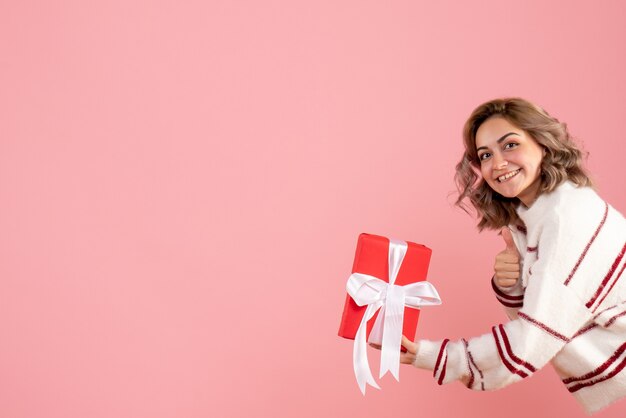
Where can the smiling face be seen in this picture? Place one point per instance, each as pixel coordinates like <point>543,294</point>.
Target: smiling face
<point>510,159</point>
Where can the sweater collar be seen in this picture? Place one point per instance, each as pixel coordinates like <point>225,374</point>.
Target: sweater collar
<point>530,215</point>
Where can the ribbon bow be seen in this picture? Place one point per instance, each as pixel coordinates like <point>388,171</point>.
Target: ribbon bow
<point>391,300</point>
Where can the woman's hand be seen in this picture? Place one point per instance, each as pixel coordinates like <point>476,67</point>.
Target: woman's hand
<point>411,350</point>
<point>506,266</point>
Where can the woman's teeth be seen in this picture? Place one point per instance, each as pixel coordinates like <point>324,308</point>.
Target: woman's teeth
<point>508,175</point>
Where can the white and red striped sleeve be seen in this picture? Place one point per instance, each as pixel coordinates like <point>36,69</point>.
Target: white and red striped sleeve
<point>552,313</point>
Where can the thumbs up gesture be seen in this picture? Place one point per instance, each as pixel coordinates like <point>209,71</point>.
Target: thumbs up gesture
<point>506,266</point>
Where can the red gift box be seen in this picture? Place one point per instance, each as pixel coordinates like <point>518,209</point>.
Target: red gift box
<point>372,258</point>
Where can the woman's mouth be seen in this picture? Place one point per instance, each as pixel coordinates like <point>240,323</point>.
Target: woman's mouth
<point>508,175</point>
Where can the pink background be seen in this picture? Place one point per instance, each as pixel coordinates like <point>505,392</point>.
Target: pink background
<point>182,184</point>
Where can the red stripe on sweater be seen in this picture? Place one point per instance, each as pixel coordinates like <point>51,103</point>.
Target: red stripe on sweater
<point>443,370</point>
<point>469,364</point>
<point>611,287</point>
<point>509,350</point>
<point>595,317</point>
<point>608,276</point>
<point>600,369</point>
<point>613,319</point>
<point>607,377</point>
<point>503,358</point>
<point>480,372</point>
<point>615,371</point>
<point>532,249</point>
<point>543,327</point>
<point>521,228</point>
<point>443,346</point>
<point>585,329</point>
<point>504,295</point>
<point>593,238</point>
<point>511,305</point>
<point>604,310</point>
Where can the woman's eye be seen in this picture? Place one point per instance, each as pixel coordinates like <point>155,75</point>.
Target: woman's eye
<point>484,156</point>
<point>510,145</point>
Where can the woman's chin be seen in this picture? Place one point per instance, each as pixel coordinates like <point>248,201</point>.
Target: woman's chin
<point>508,192</point>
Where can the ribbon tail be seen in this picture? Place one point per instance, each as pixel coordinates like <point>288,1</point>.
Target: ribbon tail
<point>376,334</point>
<point>361,365</point>
<point>392,332</point>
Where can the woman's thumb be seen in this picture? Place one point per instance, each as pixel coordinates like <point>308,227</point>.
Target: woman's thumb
<point>508,239</point>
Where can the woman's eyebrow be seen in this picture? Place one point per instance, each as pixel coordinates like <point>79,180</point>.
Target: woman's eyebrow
<point>499,140</point>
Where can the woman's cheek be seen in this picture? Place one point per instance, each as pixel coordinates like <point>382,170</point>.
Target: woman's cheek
<point>484,171</point>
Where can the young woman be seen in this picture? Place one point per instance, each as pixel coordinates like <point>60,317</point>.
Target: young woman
<point>559,276</point>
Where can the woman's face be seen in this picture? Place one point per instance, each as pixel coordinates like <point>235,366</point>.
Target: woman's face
<point>510,159</point>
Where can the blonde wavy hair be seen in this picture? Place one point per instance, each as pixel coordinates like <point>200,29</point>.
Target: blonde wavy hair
<point>562,160</point>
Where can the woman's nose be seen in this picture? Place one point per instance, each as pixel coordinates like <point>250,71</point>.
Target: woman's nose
<point>500,162</point>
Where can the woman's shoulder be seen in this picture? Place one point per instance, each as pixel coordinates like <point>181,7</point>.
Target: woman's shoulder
<point>569,197</point>
<point>577,202</point>
<point>567,203</point>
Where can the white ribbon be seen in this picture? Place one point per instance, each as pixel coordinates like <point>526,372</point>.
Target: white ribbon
<point>391,300</point>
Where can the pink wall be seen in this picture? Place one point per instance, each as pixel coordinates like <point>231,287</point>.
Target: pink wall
<point>182,184</point>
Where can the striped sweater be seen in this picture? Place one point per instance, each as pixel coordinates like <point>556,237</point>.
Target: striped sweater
<point>569,308</point>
